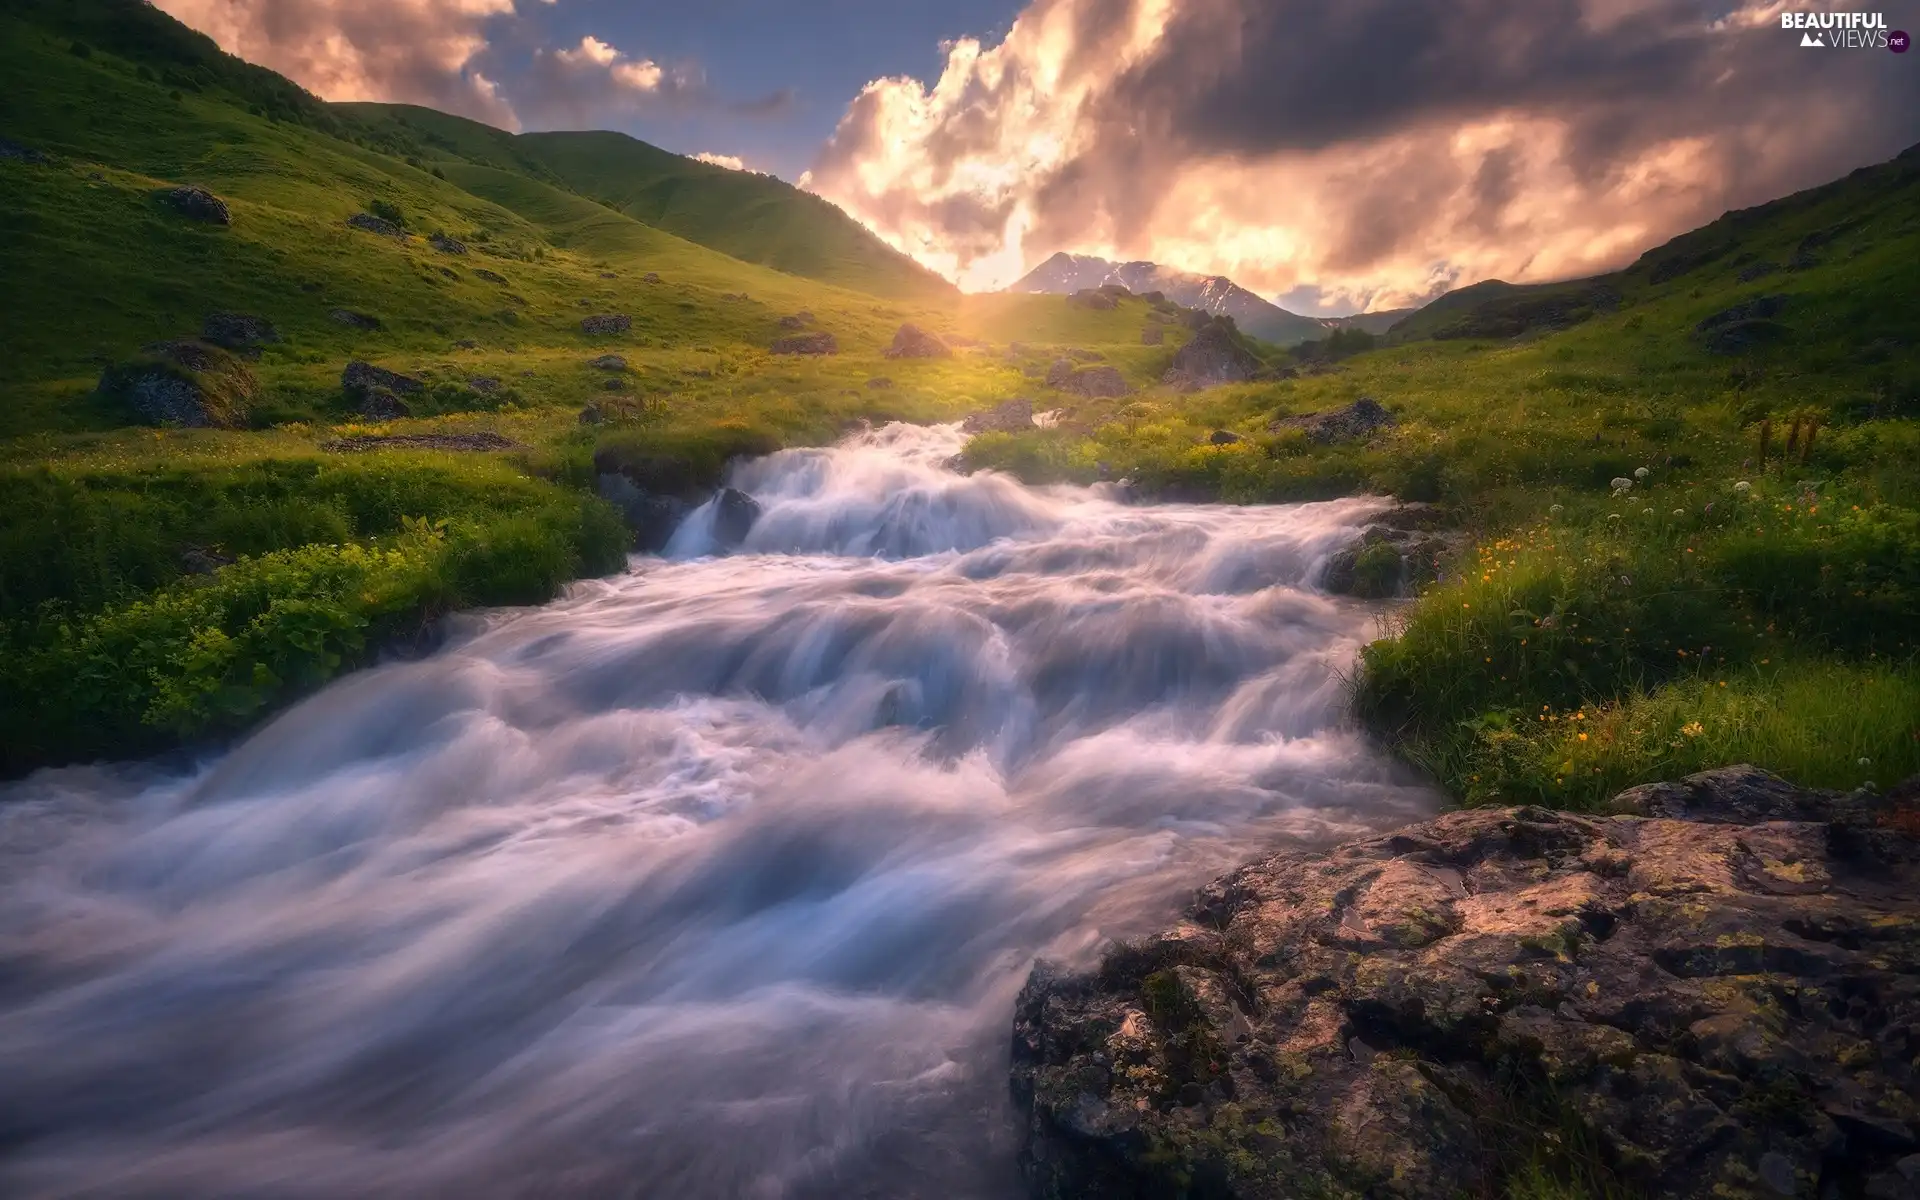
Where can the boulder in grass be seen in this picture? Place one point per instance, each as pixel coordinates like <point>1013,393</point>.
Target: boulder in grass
<point>447,245</point>
<point>381,404</point>
<point>361,377</point>
<point>197,204</point>
<point>1096,382</point>
<point>489,276</point>
<point>911,341</point>
<point>818,342</point>
<point>608,362</point>
<point>355,320</point>
<point>369,223</point>
<point>605,324</point>
<point>186,382</point>
<point>237,330</point>
<point>1354,422</point>
<point>1009,416</point>
<point>1212,356</point>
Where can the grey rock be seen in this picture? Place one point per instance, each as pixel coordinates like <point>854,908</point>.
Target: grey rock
<point>354,320</point>
<point>447,245</point>
<point>1212,356</point>
<point>793,322</point>
<point>14,151</point>
<point>1011,416</point>
<point>607,323</point>
<point>197,204</point>
<point>1759,270</point>
<point>185,382</point>
<point>1651,974</point>
<point>362,377</point>
<point>235,330</point>
<point>911,341</point>
<point>369,223</point>
<point>382,404</point>
<point>819,342</point>
<point>1352,423</point>
<point>650,277</point>
<point>608,362</point>
<point>1224,437</point>
<point>484,384</point>
<point>1060,372</point>
<point>489,276</point>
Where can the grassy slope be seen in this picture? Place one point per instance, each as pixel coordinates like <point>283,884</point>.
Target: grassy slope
<point>755,218</point>
<point>1621,619</point>
<point>105,636</point>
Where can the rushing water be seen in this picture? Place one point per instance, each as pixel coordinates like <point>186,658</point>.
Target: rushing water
<point>715,879</point>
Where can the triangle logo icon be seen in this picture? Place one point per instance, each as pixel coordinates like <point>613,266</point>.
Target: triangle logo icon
<point>1813,39</point>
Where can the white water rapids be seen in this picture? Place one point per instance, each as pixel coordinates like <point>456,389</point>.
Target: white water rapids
<point>715,879</point>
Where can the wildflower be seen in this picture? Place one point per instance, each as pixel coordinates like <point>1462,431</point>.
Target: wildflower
<point>1613,516</point>
<point>1866,762</point>
<point>1640,472</point>
<point>1693,729</point>
<point>1679,512</point>
<point>1647,513</point>
<point>1622,484</point>
<point>1583,737</point>
<point>1743,487</point>
<point>1626,581</point>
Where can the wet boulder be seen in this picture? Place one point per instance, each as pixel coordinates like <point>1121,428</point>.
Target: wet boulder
<point>911,341</point>
<point>605,324</point>
<point>196,204</point>
<point>1011,416</point>
<point>186,382</point>
<point>1716,992</point>
<point>1354,422</point>
<point>734,513</point>
<point>819,342</point>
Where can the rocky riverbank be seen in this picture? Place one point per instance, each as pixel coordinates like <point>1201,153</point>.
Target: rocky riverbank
<point>1713,992</point>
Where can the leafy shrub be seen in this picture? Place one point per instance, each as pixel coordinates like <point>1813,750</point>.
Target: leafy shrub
<point>386,210</point>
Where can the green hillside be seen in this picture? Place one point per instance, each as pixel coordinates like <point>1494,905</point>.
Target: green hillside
<point>752,217</point>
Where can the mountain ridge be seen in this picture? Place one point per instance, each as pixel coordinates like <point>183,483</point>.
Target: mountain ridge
<point>1064,273</point>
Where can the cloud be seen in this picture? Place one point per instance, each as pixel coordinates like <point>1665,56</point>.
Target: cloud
<point>412,51</point>
<point>1373,151</point>
<point>729,161</point>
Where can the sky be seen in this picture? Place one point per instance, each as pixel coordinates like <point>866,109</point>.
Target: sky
<point>1365,154</point>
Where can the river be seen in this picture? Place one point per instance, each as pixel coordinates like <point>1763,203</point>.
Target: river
<point>714,879</point>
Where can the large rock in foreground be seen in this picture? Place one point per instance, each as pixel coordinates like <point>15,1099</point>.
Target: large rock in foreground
<point>911,341</point>
<point>1717,994</point>
<point>1212,356</point>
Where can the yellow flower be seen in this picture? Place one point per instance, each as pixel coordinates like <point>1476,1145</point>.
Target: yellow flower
<point>1583,737</point>
<point>1693,729</point>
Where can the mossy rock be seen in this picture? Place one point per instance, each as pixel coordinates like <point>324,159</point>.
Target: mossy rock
<point>187,382</point>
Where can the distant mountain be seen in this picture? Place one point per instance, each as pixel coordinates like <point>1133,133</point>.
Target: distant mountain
<point>1067,273</point>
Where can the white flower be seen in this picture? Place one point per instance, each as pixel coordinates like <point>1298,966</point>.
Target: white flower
<point>1866,762</point>
<point>1646,512</point>
<point>1613,516</point>
<point>1556,509</point>
<point>1640,472</point>
<point>1626,581</point>
<point>1622,484</point>
<point>1679,512</point>
<point>1743,487</point>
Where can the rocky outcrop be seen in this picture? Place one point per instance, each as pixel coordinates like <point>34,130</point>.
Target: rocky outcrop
<point>354,320</point>
<point>818,342</point>
<point>382,404</point>
<point>361,378</point>
<point>368,223</point>
<point>1393,557</point>
<point>447,245</point>
<point>186,382</point>
<point>196,204</point>
<point>1713,992</point>
<point>1743,327</point>
<point>235,331</point>
<point>1012,416</point>
<point>1212,356</point>
<point>911,341</point>
<point>1351,423</point>
<point>606,323</point>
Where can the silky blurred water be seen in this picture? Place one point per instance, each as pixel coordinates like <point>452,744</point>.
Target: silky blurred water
<point>714,879</point>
